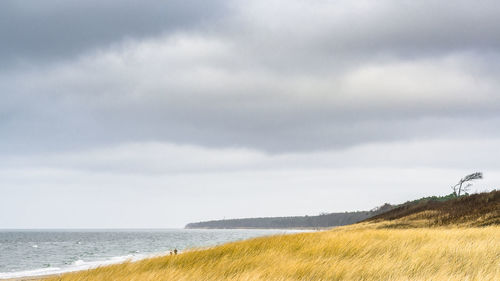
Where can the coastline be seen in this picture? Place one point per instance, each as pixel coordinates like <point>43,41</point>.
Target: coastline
<point>33,278</point>
<point>190,239</point>
<point>163,254</point>
<point>90,267</point>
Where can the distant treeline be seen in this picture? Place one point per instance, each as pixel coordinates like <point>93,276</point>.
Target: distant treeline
<point>323,220</point>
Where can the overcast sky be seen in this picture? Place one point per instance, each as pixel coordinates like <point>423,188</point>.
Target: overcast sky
<point>158,113</point>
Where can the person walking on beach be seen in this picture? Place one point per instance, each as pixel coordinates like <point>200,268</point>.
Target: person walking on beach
<point>175,251</point>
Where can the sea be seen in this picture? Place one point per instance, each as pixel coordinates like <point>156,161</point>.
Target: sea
<point>41,252</point>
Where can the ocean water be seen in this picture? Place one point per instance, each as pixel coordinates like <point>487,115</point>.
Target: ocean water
<point>33,252</point>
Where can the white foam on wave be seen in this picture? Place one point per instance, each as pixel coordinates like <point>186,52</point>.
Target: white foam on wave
<point>78,262</point>
<point>35,272</point>
<point>76,266</point>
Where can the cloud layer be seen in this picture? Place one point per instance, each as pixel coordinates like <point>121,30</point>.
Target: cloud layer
<point>190,88</point>
<point>267,75</point>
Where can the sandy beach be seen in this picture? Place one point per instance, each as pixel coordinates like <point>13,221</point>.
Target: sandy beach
<point>30,278</point>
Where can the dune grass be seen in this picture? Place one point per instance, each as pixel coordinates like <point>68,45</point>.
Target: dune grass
<point>359,252</point>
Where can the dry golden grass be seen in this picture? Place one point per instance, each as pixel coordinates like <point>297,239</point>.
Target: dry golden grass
<point>358,252</point>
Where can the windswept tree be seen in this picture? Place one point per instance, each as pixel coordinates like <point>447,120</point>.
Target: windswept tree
<point>464,184</point>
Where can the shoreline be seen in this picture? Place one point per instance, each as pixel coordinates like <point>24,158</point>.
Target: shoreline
<point>70,270</point>
<point>103,263</point>
<point>34,278</point>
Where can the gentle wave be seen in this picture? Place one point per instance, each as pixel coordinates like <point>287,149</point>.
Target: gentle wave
<point>75,266</point>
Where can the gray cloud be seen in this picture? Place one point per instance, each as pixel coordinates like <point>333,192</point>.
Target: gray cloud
<point>268,75</point>
<point>209,105</point>
<point>325,34</point>
<point>33,30</point>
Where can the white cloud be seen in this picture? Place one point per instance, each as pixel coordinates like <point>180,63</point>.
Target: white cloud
<point>151,158</point>
<point>429,82</point>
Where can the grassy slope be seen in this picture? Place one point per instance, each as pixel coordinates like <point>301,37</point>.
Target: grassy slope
<point>475,210</point>
<point>367,251</point>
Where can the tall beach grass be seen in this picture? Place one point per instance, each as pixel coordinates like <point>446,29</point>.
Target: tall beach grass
<point>358,252</point>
